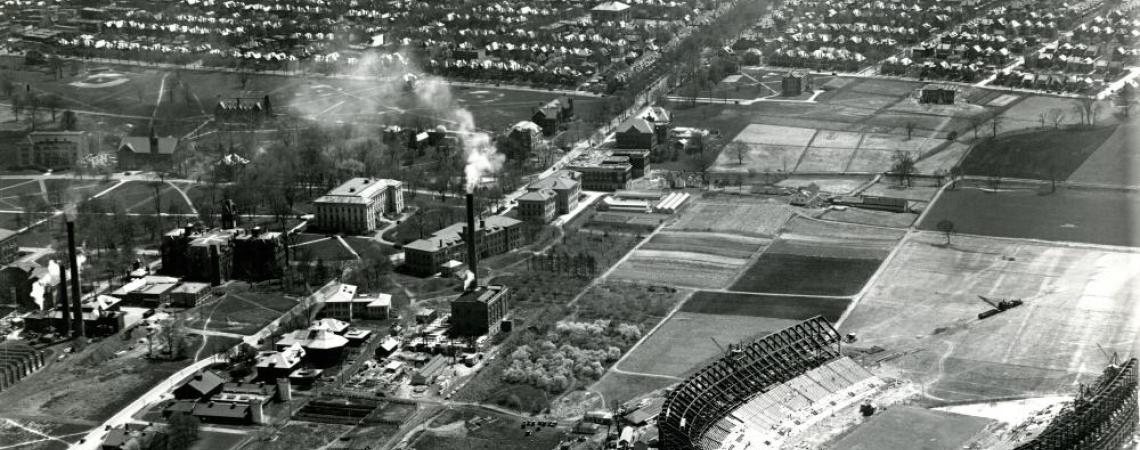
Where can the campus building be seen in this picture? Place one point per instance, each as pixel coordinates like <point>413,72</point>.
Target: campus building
<point>553,114</point>
<point>636,133</point>
<point>8,248</point>
<point>538,206</point>
<point>258,255</point>
<point>348,305</point>
<point>358,205</point>
<point>602,170</point>
<point>216,255</point>
<point>937,94</point>
<point>495,235</point>
<point>55,149</point>
<point>479,311</point>
<point>142,152</point>
<point>551,196</point>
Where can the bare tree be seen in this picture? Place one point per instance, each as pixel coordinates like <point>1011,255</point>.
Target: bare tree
<point>737,149</point>
<point>909,129</point>
<point>946,227</point>
<point>903,167</point>
<point>955,174</point>
<point>1057,116</point>
<point>996,123</point>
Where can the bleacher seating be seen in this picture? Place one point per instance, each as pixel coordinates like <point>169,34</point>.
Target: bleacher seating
<point>769,418</point>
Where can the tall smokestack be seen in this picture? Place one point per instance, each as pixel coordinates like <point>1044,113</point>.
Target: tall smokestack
<point>472,249</point>
<point>75,293</point>
<point>64,305</point>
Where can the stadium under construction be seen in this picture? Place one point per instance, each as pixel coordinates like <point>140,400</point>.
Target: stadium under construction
<point>762,393</point>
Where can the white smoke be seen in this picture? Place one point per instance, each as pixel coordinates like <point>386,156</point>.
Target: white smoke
<point>482,157</point>
<point>40,286</point>
<point>469,280</point>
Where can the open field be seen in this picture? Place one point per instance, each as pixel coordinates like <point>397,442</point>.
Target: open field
<point>784,307</point>
<point>138,197</point>
<point>814,257</point>
<point>17,438</point>
<point>923,312</point>
<point>942,159</point>
<point>314,247</point>
<point>239,312</point>
<point>1070,214</point>
<point>1116,162</point>
<point>916,192</point>
<point>684,343</point>
<point>1043,155</point>
<point>910,428</point>
<point>1027,113</point>
<point>695,259</point>
<point>728,215</point>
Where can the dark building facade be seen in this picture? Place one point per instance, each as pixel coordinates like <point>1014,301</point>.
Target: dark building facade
<point>479,311</point>
<point>258,255</point>
<point>636,133</point>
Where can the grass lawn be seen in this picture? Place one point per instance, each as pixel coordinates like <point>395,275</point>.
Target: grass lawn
<point>662,354</point>
<point>1076,215</point>
<point>213,440</point>
<point>320,247</point>
<point>239,312</point>
<point>778,307</point>
<point>1043,155</point>
<point>909,428</point>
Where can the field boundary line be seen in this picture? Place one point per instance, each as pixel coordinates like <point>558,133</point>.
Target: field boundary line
<point>776,294</point>
<point>649,333</point>
<point>807,148</point>
<point>855,153</point>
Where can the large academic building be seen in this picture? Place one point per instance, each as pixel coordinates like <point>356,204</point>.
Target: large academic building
<point>358,205</point>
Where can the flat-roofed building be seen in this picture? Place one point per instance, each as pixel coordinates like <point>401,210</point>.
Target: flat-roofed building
<point>8,248</point>
<point>602,170</point>
<point>494,235</point>
<point>358,205</point>
<point>55,149</point>
<point>479,311</point>
<point>189,295</point>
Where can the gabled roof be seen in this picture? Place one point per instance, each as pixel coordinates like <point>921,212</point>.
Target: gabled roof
<point>636,124</point>
<point>563,179</point>
<point>141,145</point>
<point>204,382</point>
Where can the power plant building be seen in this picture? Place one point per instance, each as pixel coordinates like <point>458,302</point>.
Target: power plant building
<point>358,205</point>
<point>480,310</point>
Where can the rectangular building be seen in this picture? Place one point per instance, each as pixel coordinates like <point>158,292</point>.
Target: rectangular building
<point>347,305</point>
<point>198,255</point>
<point>602,171</point>
<point>494,234</point>
<point>258,255</point>
<point>9,251</point>
<point>55,149</point>
<point>479,311</point>
<point>189,295</point>
<point>538,206</point>
<point>566,184</point>
<point>358,205</point>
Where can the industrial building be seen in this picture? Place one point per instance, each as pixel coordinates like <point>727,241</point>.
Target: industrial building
<point>55,149</point>
<point>272,365</point>
<point>8,248</point>
<point>496,235</point>
<point>200,386</point>
<point>323,348</point>
<point>149,291</point>
<point>358,205</point>
<point>18,360</point>
<point>100,318</point>
<point>28,285</point>
<point>480,310</point>
<point>602,170</point>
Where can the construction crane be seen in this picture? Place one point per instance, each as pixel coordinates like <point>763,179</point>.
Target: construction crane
<point>999,306</point>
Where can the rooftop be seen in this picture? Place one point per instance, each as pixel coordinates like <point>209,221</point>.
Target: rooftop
<point>539,195</point>
<point>141,144</point>
<point>453,234</point>
<point>637,124</point>
<point>562,179</point>
<point>357,190</point>
<point>611,6</point>
<point>599,159</point>
<point>190,288</point>
<point>482,294</point>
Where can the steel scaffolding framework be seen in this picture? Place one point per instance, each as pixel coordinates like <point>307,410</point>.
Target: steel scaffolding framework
<point>1102,417</point>
<point>746,371</point>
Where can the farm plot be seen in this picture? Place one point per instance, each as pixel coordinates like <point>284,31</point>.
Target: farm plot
<point>1075,215</point>
<point>825,159</point>
<point>892,189</point>
<point>728,216</point>
<point>694,259</point>
<point>871,217</point>
<point>1043,155</point>
<point>770,148</point>
<point>818,258</point>
<point>924,308</point>
<point>943,159</point>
